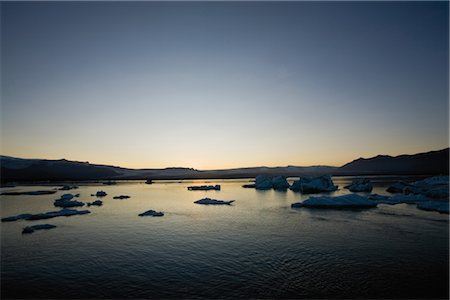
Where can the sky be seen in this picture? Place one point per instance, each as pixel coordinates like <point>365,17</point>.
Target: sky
<point>213,85</point>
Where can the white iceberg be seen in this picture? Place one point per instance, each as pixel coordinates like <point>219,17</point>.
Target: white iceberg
<point>345,201</point>
<point>319,184</point>
<point>360,185</point>
<point>213,201</point>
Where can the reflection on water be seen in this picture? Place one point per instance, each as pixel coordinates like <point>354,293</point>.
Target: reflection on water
<point>258,247</point>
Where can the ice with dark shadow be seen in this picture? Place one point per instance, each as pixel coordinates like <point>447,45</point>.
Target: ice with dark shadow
<point>345,201</point>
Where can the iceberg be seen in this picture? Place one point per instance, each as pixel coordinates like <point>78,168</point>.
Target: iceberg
<point>360,185</point>
<point>96,203</point>
<point>320,184</point>
<point>345,201</point>
<point>280,183</point>
<point>66,201</point>
<point>48,215</point>
<point>263,182</point>
<point>100,194</point>
<point>152,213</point>
<point>31,229</point>
<point>408,199</point>
<point>68,187</point>
<point>249,186</point>
<point>439,206</point>
<point>121,197</point>
<point>434,187</point>
<point>381,199</point>
<point>204,188</point>
<point>398,187</point>
<point>212,201</point>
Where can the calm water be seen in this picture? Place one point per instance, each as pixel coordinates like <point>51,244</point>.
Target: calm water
<point>257,248</point>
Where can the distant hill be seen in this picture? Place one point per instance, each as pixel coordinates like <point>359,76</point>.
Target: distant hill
<point>433,162</point>
<point>18,169</point>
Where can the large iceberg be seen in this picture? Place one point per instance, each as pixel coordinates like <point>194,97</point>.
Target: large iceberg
<point>434,187</point>
<point>213,201</point>
<point>319,184</point>
<point>360,185</point>
<point>345,201</point>
<point>280,183</point>
<point>263,182</point>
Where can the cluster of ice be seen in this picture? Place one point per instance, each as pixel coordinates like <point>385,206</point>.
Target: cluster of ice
<point>48,215</point>
<point>152,213</point>
<point>320,184</point>
<point>345,201</point>
<point>66,201</point>
<point>263,182</point>
<point>31,229</point>
<point>121,197</point>
<point>360,185</point>
<point>213,201</point>
<point>434,187</point>
<point>204,187</point>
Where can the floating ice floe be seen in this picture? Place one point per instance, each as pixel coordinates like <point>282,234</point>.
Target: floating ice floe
<point>121,197</point>
<point>31,229</point>
<point>100,194</point>
<point>204,187</point>
<point>48,215</point>
<point>152,213</point>
<point>66,201</point>
<point>319,184</point>
<point>360,185</point>
<point>96,203</point>
<point>68,187</point>
<point>345,201</point>
<point>33,193</point>
<point>249,186</point>
<point>439,206</point>
<point>213,201</point>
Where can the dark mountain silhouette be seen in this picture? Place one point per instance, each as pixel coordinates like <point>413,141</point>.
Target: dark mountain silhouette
<point>433,162</point>
<point>18,169</point>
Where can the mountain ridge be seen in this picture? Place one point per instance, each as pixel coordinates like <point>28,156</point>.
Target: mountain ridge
<point>21,169</point>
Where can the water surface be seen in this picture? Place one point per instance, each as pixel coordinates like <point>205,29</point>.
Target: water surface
<point>259,247</point>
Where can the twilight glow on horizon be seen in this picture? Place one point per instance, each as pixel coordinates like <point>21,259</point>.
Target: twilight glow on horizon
<point>215,85</point>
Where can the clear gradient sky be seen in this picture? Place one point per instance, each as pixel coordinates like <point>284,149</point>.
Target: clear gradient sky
<point>216,85</point>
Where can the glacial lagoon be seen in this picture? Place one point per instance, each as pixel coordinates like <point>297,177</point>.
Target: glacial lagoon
<point>257,247</point>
